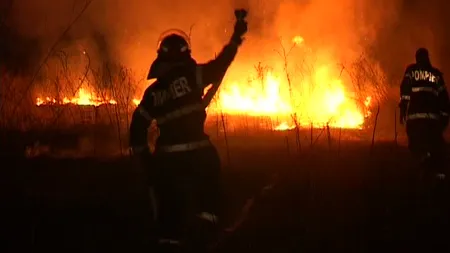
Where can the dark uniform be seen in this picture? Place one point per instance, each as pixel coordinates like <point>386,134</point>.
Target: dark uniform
<point>424,106</point>
<point>185,167</point>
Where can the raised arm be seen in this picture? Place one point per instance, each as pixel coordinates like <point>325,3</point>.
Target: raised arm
<point>213,71</point>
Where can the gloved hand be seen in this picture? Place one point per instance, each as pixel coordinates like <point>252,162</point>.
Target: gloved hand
<point>240,27</point>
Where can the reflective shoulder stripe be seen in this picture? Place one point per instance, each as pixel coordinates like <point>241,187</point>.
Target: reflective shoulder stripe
<point>199,76</point>
<point>422,116</point>
<point>424,89</point>
<point>208,217</point>
<point>185,146</point>
<point>405,97</point>
<point>144,113</point>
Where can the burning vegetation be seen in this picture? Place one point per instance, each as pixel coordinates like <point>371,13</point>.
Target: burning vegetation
<point>321,96</point>
<point>82,97</point>
<point>301,65</point>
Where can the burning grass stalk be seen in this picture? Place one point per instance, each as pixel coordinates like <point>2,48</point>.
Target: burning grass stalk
<point>116,112</point>
<point>328,136</point>
<point>313,143</point>
<point>213,96</point>
<point>120,86</point>
<point>374,129</point>
<point>47,56</point>
<point>284,56</point>
<point>217,126</point>
<point>64,61</point>
<point>224,126</point>
<point>339,141</point>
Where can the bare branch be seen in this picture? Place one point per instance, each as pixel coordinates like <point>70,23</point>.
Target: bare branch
<point>190,31</point>
<point>69,27</point>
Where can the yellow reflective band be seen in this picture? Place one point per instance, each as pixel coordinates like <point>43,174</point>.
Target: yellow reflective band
<point>208,217</point>
<point>425,89</point>
<point>422,116</point>
<point>405,97</point>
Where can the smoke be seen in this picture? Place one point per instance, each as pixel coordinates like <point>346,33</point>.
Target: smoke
<point>130,28</point>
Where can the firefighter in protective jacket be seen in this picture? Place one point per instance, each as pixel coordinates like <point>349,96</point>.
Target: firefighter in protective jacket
<point>424,108</point>
<point>184,168</point>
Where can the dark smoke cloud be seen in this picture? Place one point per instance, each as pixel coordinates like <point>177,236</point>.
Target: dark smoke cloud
<point>129,29</point>
<point>417,24</point>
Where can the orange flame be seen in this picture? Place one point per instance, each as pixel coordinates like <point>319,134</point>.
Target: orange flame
<point>297,40</point>
<point>321,98</point>
<point>283,126</point>
<point>82,97</point>
<point>327,104</point>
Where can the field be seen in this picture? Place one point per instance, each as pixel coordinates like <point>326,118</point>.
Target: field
<point>330,197</point>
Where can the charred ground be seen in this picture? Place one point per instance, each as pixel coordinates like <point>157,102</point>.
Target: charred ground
<point>316,200</point>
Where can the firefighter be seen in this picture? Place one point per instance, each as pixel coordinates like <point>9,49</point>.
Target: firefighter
<point>184,168</point>
<point>424,108</point>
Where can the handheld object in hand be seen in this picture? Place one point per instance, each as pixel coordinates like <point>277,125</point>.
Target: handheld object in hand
<point>240,14</point>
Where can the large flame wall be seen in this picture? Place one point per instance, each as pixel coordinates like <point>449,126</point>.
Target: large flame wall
<point>316,93</point>
<point>296,62</point>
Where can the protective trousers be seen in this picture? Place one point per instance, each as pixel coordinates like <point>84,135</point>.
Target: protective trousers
<point>426,142</point>
<point>187,189</point>
<point>431,208</point>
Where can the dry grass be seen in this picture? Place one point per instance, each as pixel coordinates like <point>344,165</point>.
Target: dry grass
<point>323,202</point>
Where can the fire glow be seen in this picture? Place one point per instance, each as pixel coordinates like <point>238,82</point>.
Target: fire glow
<point>82,97</point>
<point>318,100</point>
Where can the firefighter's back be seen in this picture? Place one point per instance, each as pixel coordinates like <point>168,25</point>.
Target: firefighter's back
<point>425,87</point>
<point>178,108</point>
